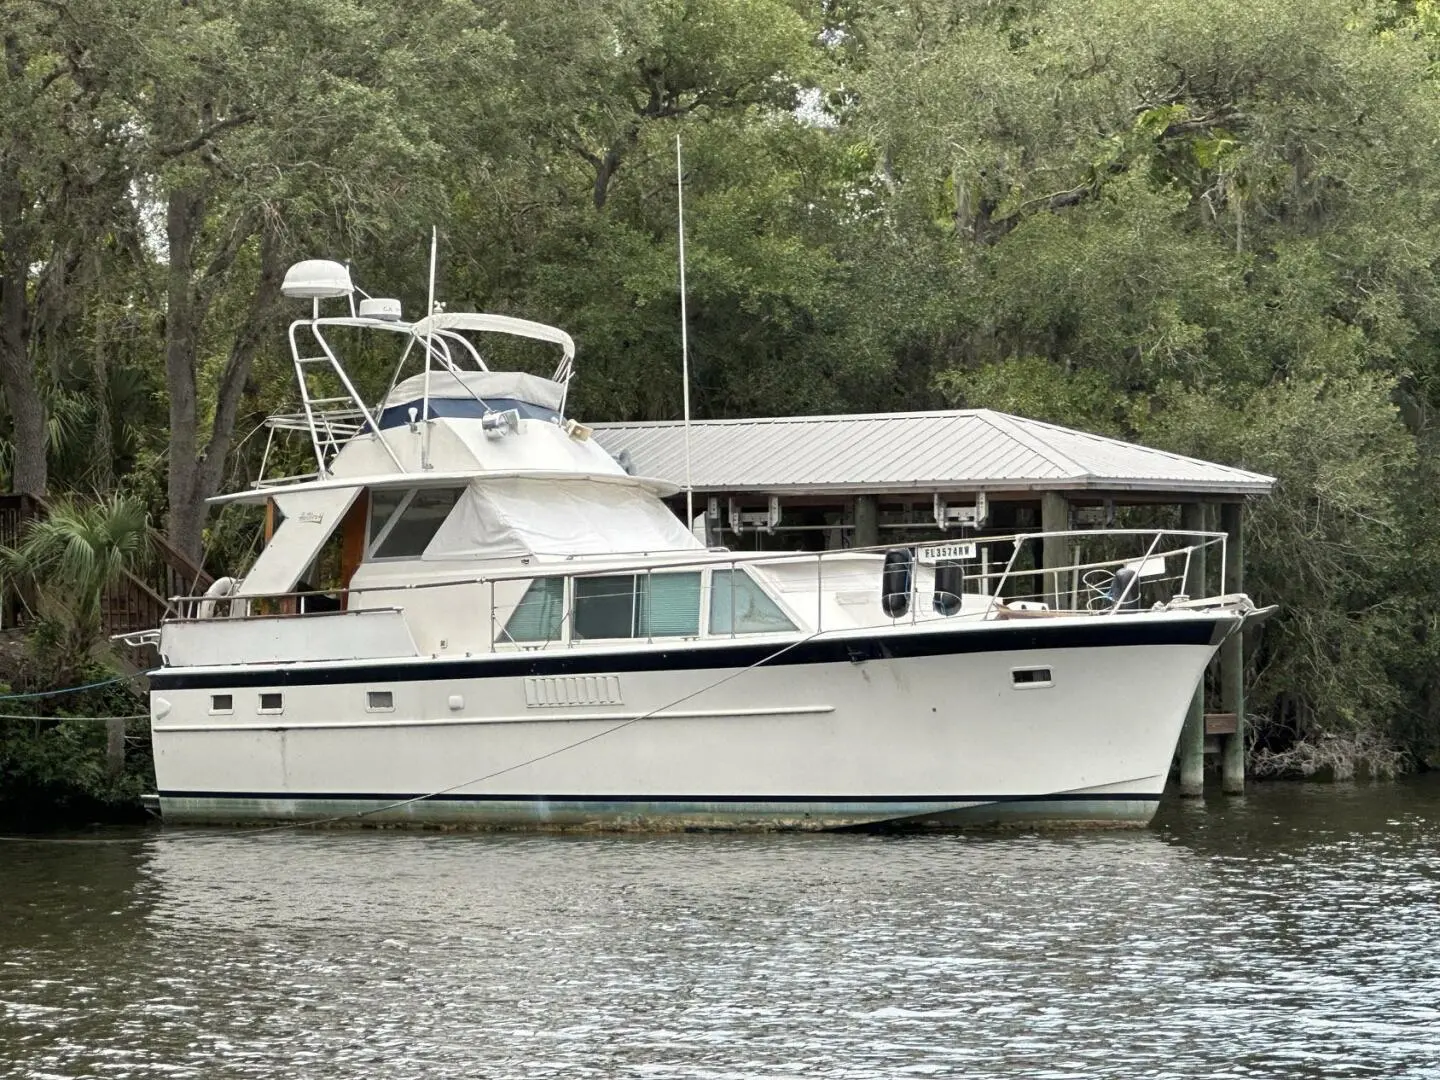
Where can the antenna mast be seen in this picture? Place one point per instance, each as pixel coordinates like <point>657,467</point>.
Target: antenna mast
<point>684,338</point>
<point>429,344</point>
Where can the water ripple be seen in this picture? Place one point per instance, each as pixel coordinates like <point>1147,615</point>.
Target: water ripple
<point>1295,933</point>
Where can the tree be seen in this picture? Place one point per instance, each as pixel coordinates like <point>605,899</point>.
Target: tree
<point>266,126</point>
<point>62,181</point>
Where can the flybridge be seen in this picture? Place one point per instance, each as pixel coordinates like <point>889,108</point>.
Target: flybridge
<point>453,379</point>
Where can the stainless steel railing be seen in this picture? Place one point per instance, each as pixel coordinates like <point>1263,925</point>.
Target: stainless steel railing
<point>1162,561</point>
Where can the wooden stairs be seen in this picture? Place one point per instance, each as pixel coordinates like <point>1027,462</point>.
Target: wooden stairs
<point>140,600</point>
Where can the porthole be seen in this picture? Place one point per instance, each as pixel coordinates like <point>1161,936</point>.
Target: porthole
<point>272,703</point>
<point>222,703</point>
<point>1031,678</point>
<point>380,701</point>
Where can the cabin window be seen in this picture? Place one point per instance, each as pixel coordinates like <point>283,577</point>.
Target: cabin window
<point>222,703</point>
<point>539,614</point>
<point>605,607</point>
<point>272,703</point>
<point>412,523</point>
<point>669,605</point>
<point>638,605</point>
<point>739,606</point>
<point>380,701</point>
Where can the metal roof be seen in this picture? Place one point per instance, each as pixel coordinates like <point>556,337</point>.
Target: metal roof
<point>954,450</point>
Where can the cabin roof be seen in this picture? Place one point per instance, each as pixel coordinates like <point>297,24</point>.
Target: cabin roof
<point>952,451</point>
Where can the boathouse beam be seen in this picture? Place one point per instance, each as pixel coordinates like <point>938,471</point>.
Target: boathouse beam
<point>1232,655</point>
<point>1193,518</point>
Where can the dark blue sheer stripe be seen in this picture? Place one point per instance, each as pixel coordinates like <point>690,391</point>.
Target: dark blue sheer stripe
<point>462,409</point>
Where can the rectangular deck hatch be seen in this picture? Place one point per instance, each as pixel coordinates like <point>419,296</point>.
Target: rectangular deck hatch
<point>310,519</point>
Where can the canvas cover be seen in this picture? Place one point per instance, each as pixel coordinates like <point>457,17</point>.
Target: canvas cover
<point>517,385</point>
<point>507,517</point>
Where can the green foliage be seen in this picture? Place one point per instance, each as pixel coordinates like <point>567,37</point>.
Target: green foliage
<point>64,564</point>
<point>53,768</point>
<point>1207,224</point>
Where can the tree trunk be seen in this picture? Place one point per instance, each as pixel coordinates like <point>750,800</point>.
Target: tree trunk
<point>29,471</point>
<point>115,746</point>
<point>184,214</point>
<point>196,472</point>
<point>17,374</point>
<point>104,474</point>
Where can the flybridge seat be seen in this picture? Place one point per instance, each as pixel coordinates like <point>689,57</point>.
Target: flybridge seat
<point>471,394</point>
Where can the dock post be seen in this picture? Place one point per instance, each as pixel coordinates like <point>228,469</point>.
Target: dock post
<point>1192,738</point>
<point>1232,657</point>
<point>867,522</point>
<point>1054,517</point>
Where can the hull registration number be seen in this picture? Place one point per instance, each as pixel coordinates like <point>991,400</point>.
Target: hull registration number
<point>929,553</point>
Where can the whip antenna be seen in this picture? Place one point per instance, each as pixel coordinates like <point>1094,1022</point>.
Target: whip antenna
<point>429,344</point>
<point>684,338</point>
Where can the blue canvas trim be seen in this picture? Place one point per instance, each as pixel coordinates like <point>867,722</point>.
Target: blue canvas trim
<point>463,409</point>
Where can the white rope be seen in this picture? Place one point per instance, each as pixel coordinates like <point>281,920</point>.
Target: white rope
<point>548,754</point>
<point>290,825</point>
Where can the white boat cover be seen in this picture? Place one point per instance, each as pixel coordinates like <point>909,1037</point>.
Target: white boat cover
<point>310,518</point>
<point>484,385</point>
<point>495,324</point>
<point>506,517</point>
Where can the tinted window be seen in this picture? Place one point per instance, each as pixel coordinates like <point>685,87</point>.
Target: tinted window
<point>537,617</point>
<point>383,503</point>
<point>739,606</point>
<point>419,520</point>
<point>605,607</point>
<point>638,605</point>
<point>669,605</point>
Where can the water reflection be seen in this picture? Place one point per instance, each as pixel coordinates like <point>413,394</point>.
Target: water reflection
<point>1293,934</point>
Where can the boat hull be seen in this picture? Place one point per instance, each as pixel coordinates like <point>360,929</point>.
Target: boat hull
<point>1069,721</point>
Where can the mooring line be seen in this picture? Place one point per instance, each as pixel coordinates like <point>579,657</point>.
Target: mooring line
<point>73,689</point>
<point>291,825</point>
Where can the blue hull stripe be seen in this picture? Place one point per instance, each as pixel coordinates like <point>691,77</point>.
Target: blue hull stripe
<point>1021,635</point>
<point>654,800</point>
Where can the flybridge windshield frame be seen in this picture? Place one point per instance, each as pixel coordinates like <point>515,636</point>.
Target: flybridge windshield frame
<point>443,326</point>
<point>439,337</point>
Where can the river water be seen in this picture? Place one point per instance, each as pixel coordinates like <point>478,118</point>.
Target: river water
<point>1295,933</point>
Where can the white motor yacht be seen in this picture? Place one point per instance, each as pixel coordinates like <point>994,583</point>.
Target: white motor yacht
<point>468,613</point>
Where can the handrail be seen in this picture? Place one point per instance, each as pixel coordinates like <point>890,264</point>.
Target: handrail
<point>993,583</point>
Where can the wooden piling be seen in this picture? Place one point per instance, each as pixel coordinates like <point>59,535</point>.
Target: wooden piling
<point>1054,517</point>
<point>1193,518</point>
<point>867,521</point>
<point>1232,657</point>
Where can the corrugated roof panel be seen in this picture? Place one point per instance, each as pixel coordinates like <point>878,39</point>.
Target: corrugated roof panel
<point>928,450</point>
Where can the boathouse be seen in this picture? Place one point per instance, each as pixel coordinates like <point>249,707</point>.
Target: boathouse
<point>823,482</point>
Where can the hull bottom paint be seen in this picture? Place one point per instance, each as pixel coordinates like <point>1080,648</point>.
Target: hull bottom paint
<point>556,813</point>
